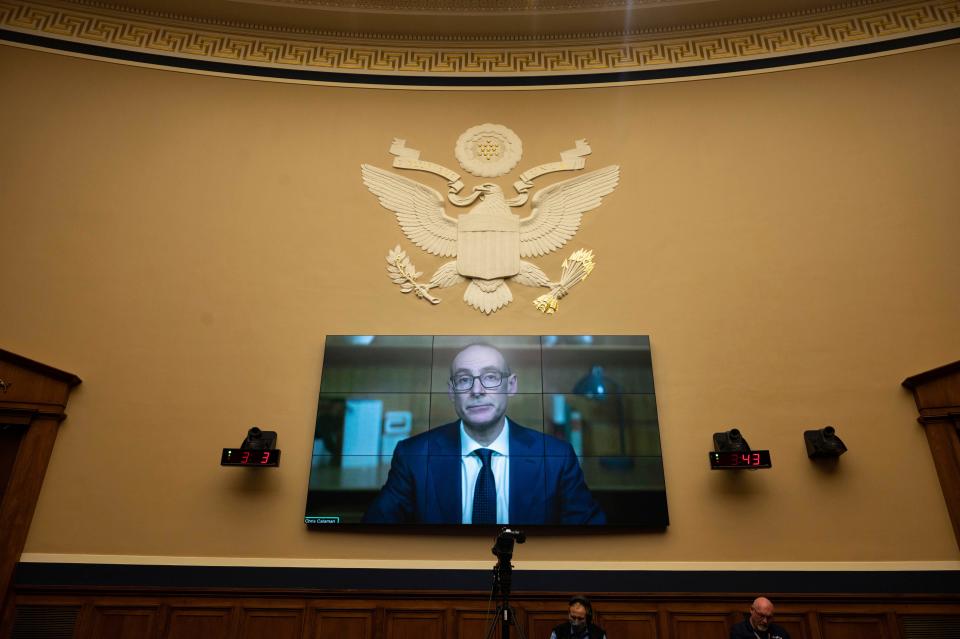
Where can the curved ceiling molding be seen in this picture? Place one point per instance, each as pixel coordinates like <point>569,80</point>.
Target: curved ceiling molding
<point>229,43</point>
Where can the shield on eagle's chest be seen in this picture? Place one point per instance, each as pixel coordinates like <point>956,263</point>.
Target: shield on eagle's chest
<point>488,245</point>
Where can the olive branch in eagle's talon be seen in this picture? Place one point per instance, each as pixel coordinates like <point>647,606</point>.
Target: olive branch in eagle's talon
<point>404,274</point>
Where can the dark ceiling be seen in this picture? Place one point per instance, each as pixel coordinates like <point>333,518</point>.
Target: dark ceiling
<point>476,19</point>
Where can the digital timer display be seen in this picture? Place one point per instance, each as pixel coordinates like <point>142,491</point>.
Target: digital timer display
<point>745,459</point>
<point>246,457</point>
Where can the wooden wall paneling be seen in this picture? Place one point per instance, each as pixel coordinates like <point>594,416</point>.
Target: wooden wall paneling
<point>796,623</point>
<point>46,621</point>
<point>663,621</point>
<point>111,614</point>
<point>83,627</point>
<point>699,625</point>
<point>340,623</point>
<point>450,619</point>
<point>624,623</point>
<point>925,625</point>
<point>541,622</point>
<point>193,622</point>
<point>123,622</point>
<point>414,624</point>
<point>474,623</point>
<point>854,626</point>
<point>893,625</point>
<point>261,620</point>
<point>813,624</point>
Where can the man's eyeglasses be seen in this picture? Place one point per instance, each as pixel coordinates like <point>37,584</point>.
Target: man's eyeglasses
<point>761,615</point>
<point>462,382</point>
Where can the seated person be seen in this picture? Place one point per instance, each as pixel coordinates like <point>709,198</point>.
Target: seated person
<point>758,625</point>
<point>579,624</point>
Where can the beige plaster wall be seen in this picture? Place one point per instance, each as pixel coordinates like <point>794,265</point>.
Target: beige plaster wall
<point>184,242</point>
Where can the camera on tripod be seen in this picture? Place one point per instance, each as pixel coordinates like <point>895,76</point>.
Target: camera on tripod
<point>502,580</point>
<point>503,546</point>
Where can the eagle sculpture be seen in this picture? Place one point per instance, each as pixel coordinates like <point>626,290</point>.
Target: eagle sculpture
<point>489,242</point>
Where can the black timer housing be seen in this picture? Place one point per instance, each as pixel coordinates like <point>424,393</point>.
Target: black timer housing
<point>750,460</point>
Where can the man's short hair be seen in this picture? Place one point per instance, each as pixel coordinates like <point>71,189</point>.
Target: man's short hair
<point>506,364</point>
<point>583,601</point>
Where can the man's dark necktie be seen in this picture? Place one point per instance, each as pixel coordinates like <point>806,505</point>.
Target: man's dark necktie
<point>485,492</point>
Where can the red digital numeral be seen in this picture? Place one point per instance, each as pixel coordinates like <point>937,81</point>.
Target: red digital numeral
<point>245,457</point>
<point>266,457</point>
<point>755,459</point>
<point>745,459</point>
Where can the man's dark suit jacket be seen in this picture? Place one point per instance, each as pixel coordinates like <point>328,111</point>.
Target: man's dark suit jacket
<point>546,482</point>
<point>744,630</point>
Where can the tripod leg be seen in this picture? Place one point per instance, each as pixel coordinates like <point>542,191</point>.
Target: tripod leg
<point>513,622</point>
<point>493,624</point>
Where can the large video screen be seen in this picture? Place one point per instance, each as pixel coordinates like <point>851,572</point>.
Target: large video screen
<point>552,430</point>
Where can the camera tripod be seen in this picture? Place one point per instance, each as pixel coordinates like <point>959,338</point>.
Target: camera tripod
<point>502,574</point>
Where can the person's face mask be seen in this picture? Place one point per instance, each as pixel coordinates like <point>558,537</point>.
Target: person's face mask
<point>578,619</point>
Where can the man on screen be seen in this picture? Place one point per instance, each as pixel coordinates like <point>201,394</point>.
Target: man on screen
<point>484,468</point>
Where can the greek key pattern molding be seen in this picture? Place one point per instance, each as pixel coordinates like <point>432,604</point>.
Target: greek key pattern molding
<point>224,43</point>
